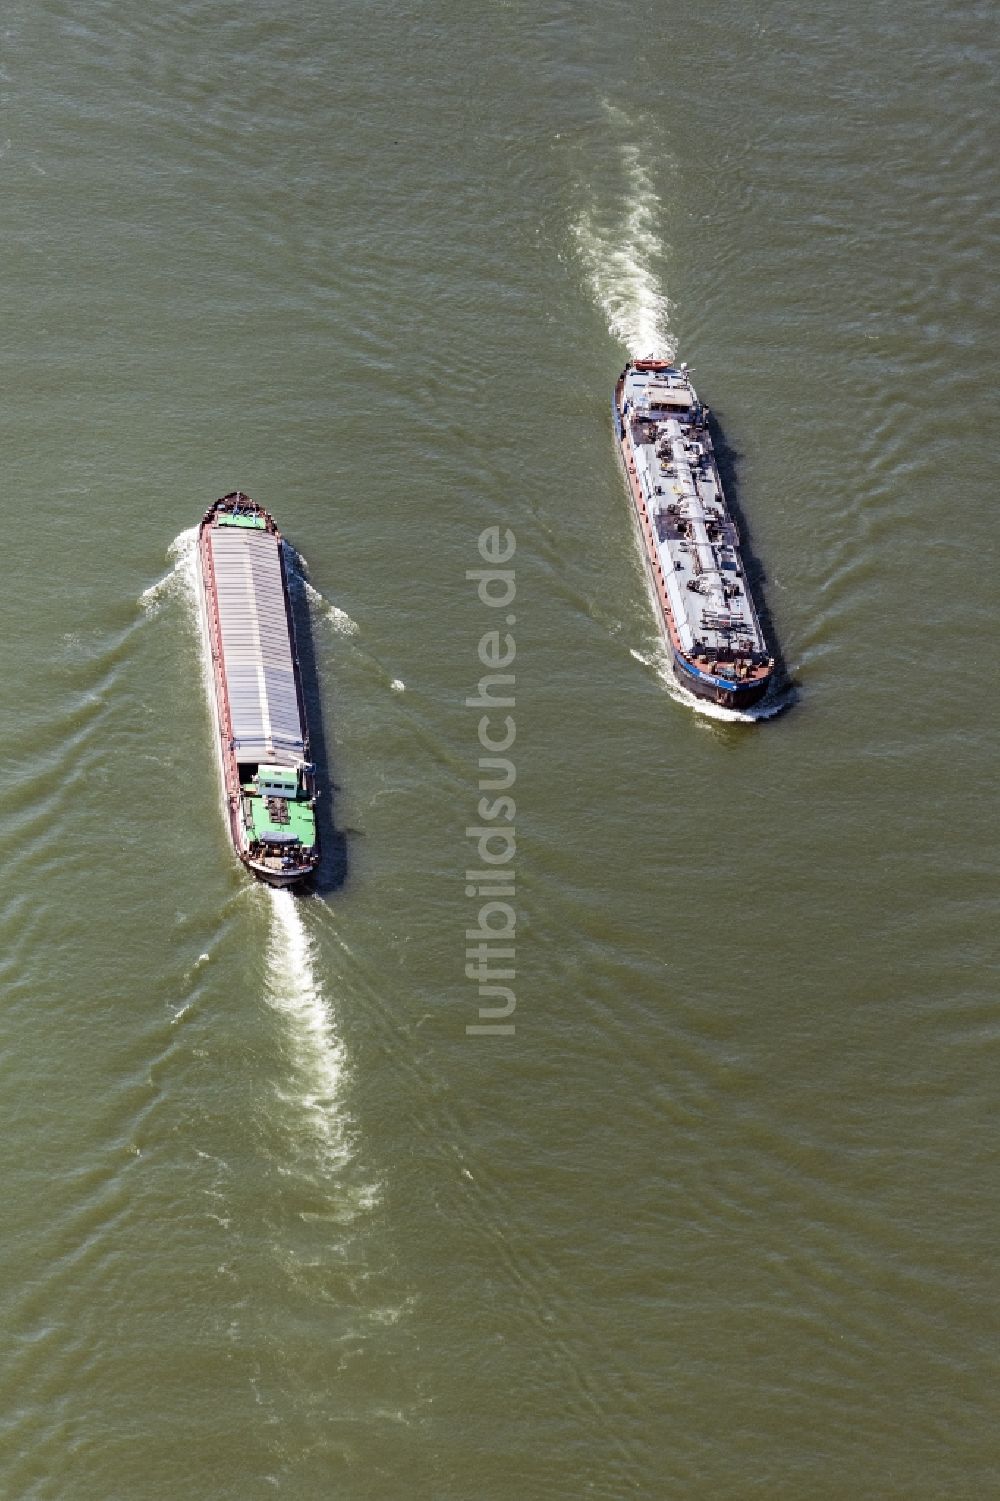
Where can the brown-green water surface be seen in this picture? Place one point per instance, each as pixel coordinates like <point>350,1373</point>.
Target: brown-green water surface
<point>719,1220</point>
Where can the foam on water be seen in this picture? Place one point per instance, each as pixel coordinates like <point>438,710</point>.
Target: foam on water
<point>183,580</point>
<point>341,622</point>
<point>294,989</point>
<point>619,252</point>
<point>182,550</point>
<point>337,617</point>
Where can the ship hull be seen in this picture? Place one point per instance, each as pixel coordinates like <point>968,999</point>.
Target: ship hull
<point>686,673</point>
<point>277,880</point>
<point>733,684</point>
<point>277,865</point>
<point>736,698</point>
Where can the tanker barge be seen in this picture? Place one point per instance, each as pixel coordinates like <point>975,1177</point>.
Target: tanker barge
<point>689,541</point>
<point>268,780</point>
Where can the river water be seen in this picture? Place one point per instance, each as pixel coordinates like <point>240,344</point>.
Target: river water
<point>718,1217</point>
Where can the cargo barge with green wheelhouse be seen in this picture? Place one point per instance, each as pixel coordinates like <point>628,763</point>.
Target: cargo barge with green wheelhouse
<point>269,781</point>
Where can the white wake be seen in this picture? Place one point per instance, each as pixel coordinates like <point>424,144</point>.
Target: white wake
<point>340,620</point>
<point>620,250</point>
<point>180,576</point>
<point>337,617</point>
<point>294,989</point>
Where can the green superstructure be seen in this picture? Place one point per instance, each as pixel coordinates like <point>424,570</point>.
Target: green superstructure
<point>264,817</point>
<point>255,523</point>
<point>276,806</point>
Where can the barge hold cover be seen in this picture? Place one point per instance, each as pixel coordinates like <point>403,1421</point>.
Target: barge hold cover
<point>263,699</point>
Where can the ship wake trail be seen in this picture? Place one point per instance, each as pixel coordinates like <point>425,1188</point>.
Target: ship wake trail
<point>338,618</point>
<point>181,577</point>
<point>299,578</point>
<point>619,251</point>
<point>293,989</point>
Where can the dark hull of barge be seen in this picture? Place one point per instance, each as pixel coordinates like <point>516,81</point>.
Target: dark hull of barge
<point>261,731</point>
